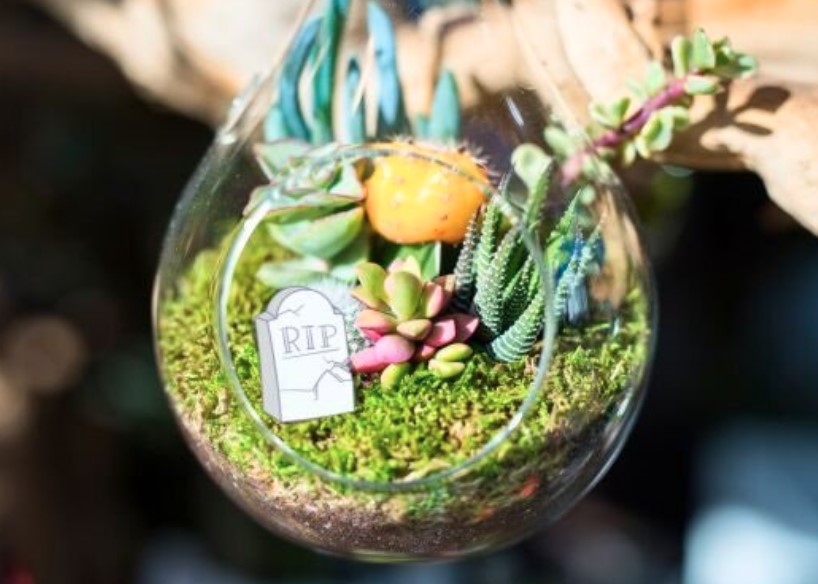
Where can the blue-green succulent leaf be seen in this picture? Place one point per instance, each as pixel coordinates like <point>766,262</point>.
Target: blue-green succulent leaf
<point>274,126</point>
<point>444,123</point>
<point>420,126</point>
<point>288,88</point>
<point>391,116</point>
<point>326,53</point>
<point>355,109</point>
<point>583,262</point>
<point>342,265</point>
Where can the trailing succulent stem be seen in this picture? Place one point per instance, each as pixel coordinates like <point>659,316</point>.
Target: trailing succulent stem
<point>626,128</point>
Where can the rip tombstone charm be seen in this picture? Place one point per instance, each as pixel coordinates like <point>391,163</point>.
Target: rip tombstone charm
<point>304,357</point>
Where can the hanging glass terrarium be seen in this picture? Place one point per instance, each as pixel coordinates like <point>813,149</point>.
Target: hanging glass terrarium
<point>390,324</point>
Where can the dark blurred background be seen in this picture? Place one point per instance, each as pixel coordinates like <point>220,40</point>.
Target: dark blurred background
<point>718,484</point>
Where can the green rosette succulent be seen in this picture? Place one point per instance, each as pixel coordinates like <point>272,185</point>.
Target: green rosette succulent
<point>317,215</point>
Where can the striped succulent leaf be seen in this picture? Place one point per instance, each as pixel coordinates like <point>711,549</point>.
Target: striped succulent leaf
<point>488,300</point>
<point>488,242</point>
<point>517,342</point>
<point>516,294</point>
<point>465,269</point>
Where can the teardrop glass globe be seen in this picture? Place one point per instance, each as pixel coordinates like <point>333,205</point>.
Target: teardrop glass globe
<point>393,320</point>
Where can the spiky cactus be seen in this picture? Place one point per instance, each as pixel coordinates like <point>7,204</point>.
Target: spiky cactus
<point>497,279</point>
<point>405,318</point>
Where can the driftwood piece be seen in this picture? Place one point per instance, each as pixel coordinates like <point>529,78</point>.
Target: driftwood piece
<point>194,55</point>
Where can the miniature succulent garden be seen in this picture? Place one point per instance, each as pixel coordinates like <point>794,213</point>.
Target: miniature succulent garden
<point>449,279</point>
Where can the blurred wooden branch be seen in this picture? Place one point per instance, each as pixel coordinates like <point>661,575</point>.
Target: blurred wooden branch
<point>194,55</point>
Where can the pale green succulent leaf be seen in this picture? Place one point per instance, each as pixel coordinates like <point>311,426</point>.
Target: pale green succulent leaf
<point>642,146</point>
<point>404,291</point>
<point>600,113</point>
<point>530,162</point>
<point>628,153</point>
<point>272,157</point>
<point>560,141</point>
<point>428,256</point>
<point>677,116</point>
<point>393,374</point>
<point>454,352</point>
<point>347,183</point>
<point>412,265</point>
<point>343,264</point>
<point>322,238</point>
<point>296,272</point>
<point>638,89</point>
<point>704,57</point>
<point>698,85</point>
<point>372,276</point>
<point>656,78</point>
<point>747,65</point>
<point>681,50</point>
<point>290,208</point>
<point>446,369</point>
<point>658,131</point>
<point>619,109</point>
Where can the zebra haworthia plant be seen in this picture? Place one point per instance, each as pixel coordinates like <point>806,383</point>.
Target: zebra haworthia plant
<point>496,277</point>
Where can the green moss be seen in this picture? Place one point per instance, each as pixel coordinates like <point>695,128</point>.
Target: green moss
<point>410,431</point>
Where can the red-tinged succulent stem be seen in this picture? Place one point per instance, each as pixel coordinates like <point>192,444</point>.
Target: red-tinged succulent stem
<point>572,167</point>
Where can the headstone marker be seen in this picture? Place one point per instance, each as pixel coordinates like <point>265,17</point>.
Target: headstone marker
<point>304,357</point>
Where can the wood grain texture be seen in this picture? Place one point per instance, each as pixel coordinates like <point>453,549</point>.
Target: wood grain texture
<point>195,55</point>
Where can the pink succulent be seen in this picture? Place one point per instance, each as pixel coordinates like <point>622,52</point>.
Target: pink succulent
<point>405,317</point>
